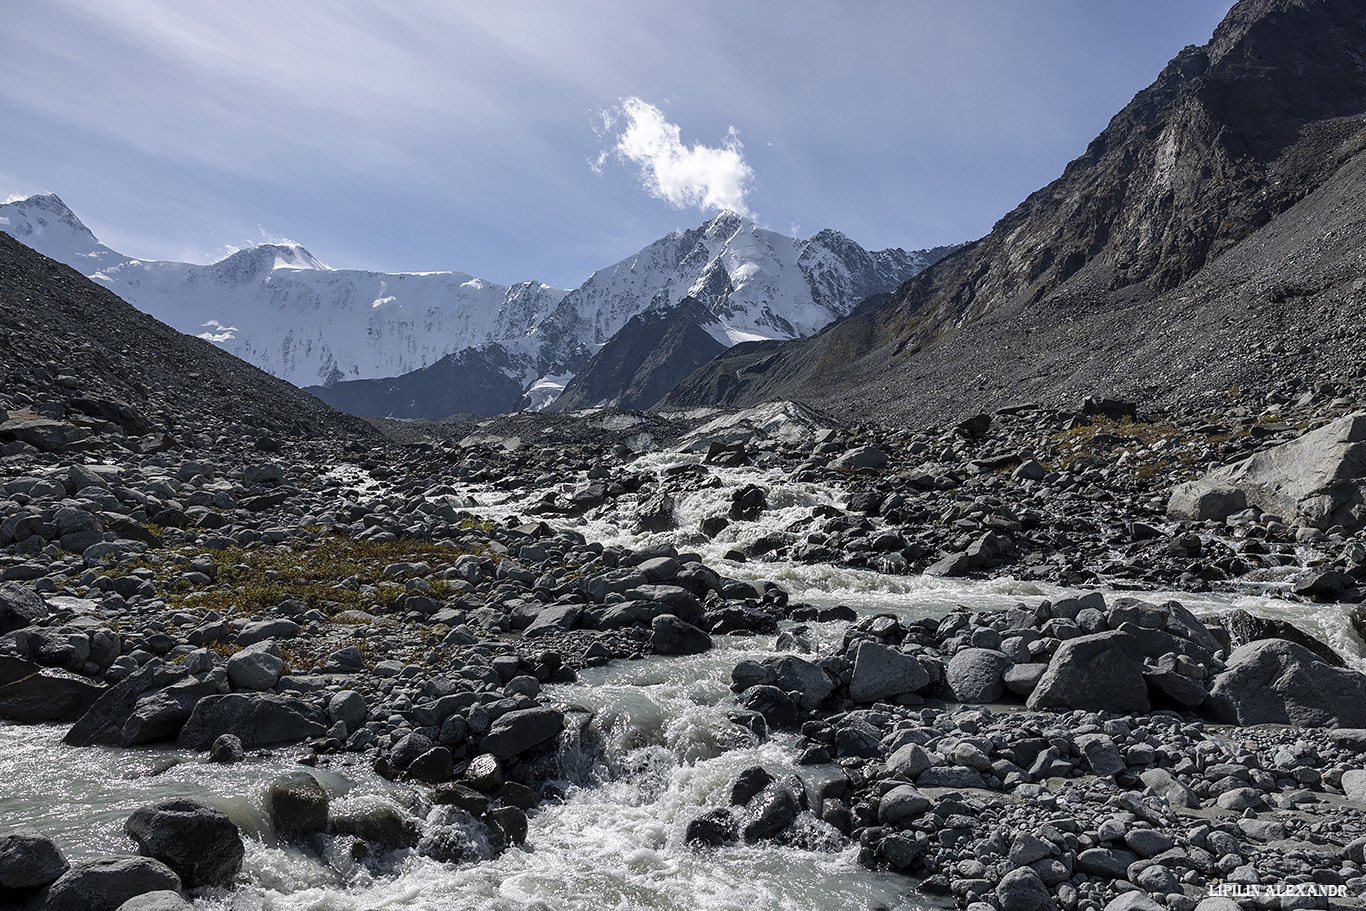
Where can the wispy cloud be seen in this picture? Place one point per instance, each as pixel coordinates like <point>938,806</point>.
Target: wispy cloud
<point>684,176</point>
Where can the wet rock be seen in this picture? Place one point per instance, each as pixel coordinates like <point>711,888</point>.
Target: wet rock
<point>433,766</point>
<point>712,829</point>
<point>29,860</point>
<point>510,824</point>
<point>105,884</point>
<point>380,824</point>
<point>296,805</point>
<point>772,810</point>
<point>195,840</point>
<point>227,748</point>
<point>1273,681</point>
<point>670,635</point>
<point>522,730</point>
<point>1239,628</point>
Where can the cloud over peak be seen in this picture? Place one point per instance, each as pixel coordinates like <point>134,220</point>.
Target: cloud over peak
<point>704,177</point>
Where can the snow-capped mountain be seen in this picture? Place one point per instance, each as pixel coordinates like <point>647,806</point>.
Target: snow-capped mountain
<point>280,308</point>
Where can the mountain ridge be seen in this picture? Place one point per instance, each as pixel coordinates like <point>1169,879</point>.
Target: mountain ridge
<point>1229,138</point>
<point>281,308</point>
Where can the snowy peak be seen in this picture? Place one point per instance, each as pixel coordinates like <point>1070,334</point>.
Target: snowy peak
<point>46,224</point>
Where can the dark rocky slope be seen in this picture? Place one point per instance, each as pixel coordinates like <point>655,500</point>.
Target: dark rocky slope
<point>649,356</point>
<point>1209,237</point>
<point>470,381</point>
<point>75,354</point>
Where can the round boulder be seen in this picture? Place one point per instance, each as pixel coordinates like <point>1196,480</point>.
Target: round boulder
<point>976,674</point>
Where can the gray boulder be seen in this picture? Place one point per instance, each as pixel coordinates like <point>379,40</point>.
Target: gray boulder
<point>161,900</point>
<point>975,674</point>
<point>30,694</point>
<point>1099,672</point>
<point>1273,681</point>
<point>103,723</point>
<point>159,716</point>
<point>1022,890</point>
<point>258,719</point>
<point>19,607</point>
<point>1102,755</point>
<point>1202,501</point>
<point>296,804</point>
<point>808,682</point>
<point>105,883</point>
<point>882,672</point>
<point>522,730</point>
<point>197,841</point>
<point>861,457</point>
<point>256,667</point>
<point>901,806</point>
<point>347,707</point>
<point>1164,784</point>
<point>261,630</point>
<point>1318,479</point>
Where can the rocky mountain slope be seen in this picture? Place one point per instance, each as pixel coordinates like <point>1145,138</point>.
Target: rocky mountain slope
<point>1208,241</point>
<point>79,362</point>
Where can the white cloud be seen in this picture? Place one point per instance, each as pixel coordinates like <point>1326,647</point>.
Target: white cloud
<point>683,176</point>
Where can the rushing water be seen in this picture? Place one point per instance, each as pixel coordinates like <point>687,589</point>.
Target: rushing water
<point>668,752</point>
<point>615,842</point>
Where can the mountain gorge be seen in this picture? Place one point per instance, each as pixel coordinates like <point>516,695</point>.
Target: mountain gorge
<point>432,344</point>
<point>1217,211</point>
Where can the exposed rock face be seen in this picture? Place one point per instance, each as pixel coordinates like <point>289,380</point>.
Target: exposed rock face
<point>1272,681</point>
<point>1133,270</point>
<point>650,355</point>
<point>1317,480</point>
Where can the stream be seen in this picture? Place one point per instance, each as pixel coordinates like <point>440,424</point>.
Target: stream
<point>666,752</point>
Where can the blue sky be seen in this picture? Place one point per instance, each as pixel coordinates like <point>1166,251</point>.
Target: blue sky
<point>518,140</point>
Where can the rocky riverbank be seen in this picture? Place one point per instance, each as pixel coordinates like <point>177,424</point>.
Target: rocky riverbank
<point>405,604</point>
